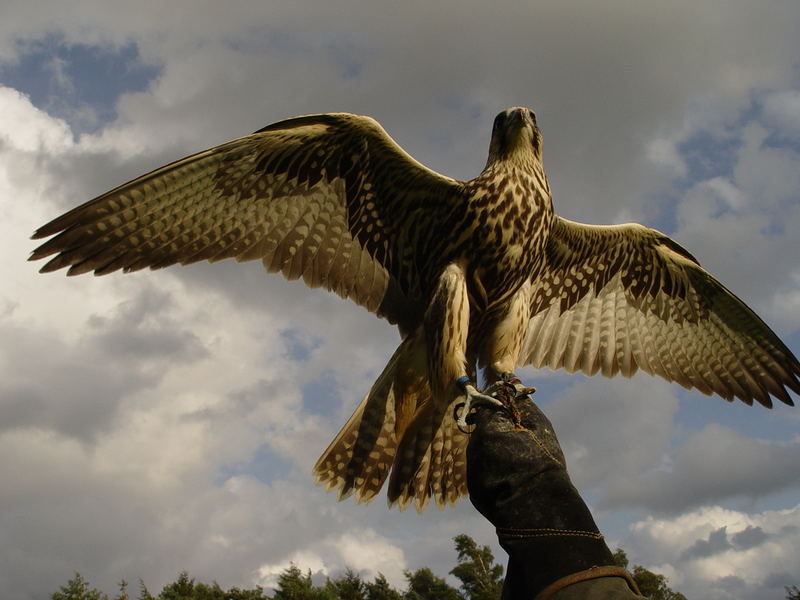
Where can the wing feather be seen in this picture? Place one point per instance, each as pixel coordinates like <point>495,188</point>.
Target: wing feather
<point>622,298</point>
<point>330,198</point>
<point>576,336</point>
<point>608,335</point>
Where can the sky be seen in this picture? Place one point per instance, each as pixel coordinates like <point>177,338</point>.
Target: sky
<point>166,421</point>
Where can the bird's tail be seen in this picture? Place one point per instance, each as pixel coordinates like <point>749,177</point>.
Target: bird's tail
<point>398,427</point>
<point>431,459</point>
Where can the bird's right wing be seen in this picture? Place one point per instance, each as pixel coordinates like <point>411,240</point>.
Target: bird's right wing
<point>620,298</point>
<point>330,198</point>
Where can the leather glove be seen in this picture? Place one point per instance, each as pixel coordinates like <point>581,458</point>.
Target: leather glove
<point>518,480</point>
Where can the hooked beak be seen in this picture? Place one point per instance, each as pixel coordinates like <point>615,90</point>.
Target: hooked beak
<point>520,116</point>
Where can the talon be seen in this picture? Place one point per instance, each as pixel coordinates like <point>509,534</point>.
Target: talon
<point>474,398</point>
<point>458,410</point>
<point>523,391</point>
<point>501,393</point>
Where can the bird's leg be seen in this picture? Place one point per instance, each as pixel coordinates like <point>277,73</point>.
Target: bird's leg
<point>502,350</point>
<point>446,324</point>
<point>473,398</point>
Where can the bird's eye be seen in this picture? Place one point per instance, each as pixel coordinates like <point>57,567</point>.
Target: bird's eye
<point>532,115</point>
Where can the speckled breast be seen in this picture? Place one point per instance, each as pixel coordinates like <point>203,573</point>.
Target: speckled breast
<point>513,215</point>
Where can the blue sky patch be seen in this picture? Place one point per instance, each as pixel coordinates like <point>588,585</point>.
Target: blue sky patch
<point>266,465</point>
<point>299,344</point>
<point>76,82</point>
<point>708,156</point>
<point>321,397</point>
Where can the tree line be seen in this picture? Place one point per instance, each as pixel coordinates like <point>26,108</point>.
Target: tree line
<point>479,576</point>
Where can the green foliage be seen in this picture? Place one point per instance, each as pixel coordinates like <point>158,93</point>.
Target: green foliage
<point>144,593</point>
<point>381,590</point>
<point>78,588</point>
<point>481,579</point>
<point>620,558</point>
<point>257,593</point>
<point>652,585</point>
<point>424,585</point>
<point>184,588</point>
<point>123,591</point>
<point>293,585</point>
<point>347,587</point>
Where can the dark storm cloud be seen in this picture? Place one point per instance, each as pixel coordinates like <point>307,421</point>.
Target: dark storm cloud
<point>750,537</point>
<point>717,542</point>
<point>720,540</point>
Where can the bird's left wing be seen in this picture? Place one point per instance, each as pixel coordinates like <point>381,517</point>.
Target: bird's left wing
<point>620,298</point>
<point>330,198</point>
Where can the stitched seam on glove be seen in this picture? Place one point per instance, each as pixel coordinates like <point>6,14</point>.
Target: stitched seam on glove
<point>506,532</point>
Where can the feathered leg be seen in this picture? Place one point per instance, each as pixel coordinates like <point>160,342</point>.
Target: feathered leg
<point>499,356</point>
<point>446,330</point>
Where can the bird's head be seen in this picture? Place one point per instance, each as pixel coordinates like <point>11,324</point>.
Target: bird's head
<point>515,137</point>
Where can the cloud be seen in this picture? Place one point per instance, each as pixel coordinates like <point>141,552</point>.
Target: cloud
<point>712,465</point>
<point>247,61</point>
<point>714,553</point>
<point>782,112</point>
<point>68,394</point>
<point>719,541</point>
<point>621,444</point>
<point>743,215</point>
<point>366,552</point>
<point>27,129</point>
<point>610,431</point>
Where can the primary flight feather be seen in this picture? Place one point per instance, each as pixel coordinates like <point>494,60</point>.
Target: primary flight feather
<point>479,273</point>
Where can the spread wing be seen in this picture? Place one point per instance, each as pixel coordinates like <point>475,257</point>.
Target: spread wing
<point>620,298</point>
<point>330,198</point>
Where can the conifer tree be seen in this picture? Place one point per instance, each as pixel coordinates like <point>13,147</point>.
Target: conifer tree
<point>78,588</point>
<point>348,587</point>
<point>424,585</point>
<point>381,590</point>
<point>293,585</point>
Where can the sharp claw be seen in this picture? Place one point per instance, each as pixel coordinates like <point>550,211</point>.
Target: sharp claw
<point>474,398</point>
<point>501,393</point>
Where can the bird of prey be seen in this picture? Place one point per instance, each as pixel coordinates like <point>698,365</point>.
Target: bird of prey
<point>476,274</point>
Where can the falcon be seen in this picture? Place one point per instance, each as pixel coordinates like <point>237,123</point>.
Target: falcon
<point>478,274</point>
